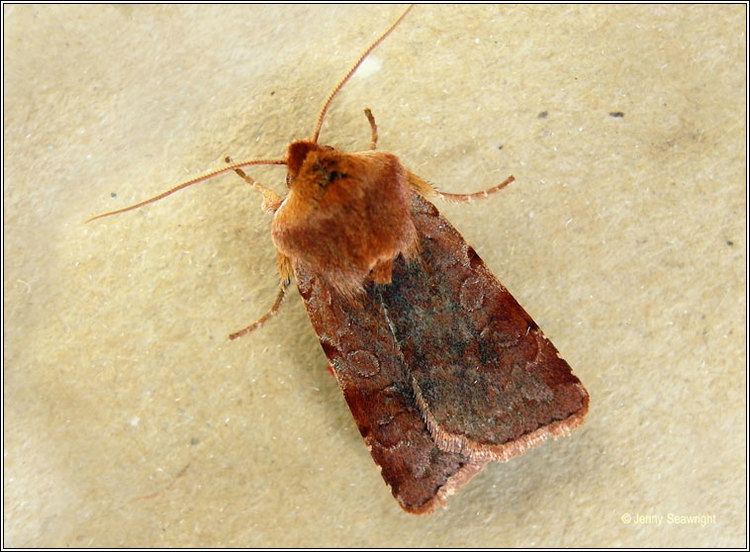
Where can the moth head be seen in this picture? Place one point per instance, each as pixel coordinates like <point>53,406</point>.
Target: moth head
<point>299,151</point>
<point>315,171</point>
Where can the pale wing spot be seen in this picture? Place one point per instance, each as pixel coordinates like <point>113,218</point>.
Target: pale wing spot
<point>364,364</point>
<point>472,293</point>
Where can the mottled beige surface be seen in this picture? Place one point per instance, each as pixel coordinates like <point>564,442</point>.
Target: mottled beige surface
<point>131,420</point>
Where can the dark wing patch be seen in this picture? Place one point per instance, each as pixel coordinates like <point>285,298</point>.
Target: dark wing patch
<point>488,382</point>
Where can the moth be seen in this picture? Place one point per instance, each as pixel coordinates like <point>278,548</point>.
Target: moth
<point>442,369</point>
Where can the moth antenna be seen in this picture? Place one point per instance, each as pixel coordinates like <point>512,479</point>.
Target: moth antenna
<point>190,183</point>
<point>373,129</point>
<point>343,81</point>
<point>424,188</point>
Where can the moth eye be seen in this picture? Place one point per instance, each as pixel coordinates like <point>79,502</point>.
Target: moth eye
<point>325,175</point>
<point>333,176</point>
<point>330,178</point>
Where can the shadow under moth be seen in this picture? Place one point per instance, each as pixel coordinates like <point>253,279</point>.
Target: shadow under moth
<point>442,369</point>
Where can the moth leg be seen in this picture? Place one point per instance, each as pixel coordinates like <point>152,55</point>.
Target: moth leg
<point>425,189</point>
<point>263,319</point>
<point>271,200</point>
<point>382,272</point>
<point>373,129</point>
<point>284,266</point>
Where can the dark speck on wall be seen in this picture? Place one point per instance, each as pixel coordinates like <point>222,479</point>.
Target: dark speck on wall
<point>542,115</point>
<point>113,194</point>
<point>730,243</point>
<point>500,147</point>
<point>618,114</point>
